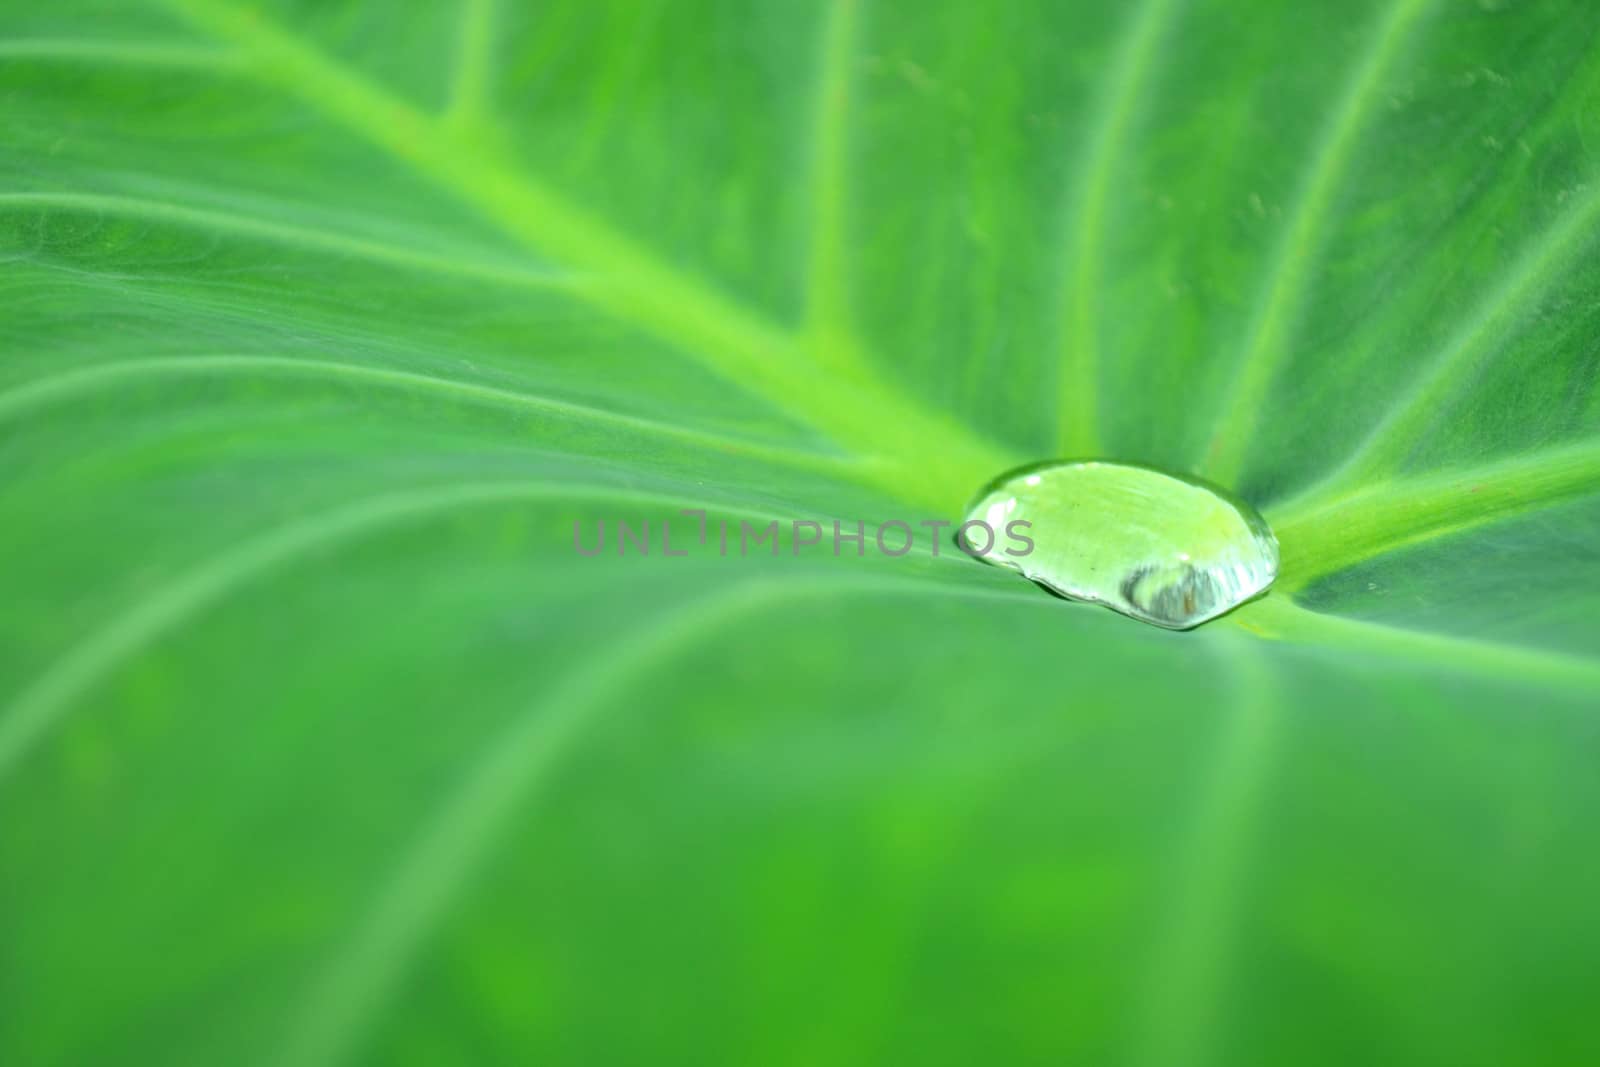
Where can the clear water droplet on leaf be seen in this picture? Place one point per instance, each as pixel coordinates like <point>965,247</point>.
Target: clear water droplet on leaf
<point>1165,549</point>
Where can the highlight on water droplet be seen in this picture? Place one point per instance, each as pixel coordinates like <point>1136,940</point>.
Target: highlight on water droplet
<point>1162,548</point>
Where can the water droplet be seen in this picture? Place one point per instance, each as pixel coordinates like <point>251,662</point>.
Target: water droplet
<point>1162,548</point>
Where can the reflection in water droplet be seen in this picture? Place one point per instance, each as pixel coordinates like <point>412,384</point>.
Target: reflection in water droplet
<point>1164,549</point>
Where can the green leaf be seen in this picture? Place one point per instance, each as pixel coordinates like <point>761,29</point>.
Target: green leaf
<point>326,325</point>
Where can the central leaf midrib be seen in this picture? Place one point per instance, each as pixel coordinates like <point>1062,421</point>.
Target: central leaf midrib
<point>1329,535</point>
<point>925,456</point>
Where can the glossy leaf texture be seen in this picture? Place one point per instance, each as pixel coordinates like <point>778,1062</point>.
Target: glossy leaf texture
<point>324,323</point>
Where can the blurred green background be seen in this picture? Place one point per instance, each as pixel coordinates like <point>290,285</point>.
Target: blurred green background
<point>323,323</point>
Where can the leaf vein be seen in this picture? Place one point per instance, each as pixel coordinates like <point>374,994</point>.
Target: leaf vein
<point>44,702</point>
<point>1284,284</point>
<point>21,398</point>
<point>294,236</point>
<point>1078,431</point>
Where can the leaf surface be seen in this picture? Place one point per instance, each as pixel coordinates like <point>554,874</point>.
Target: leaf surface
<point>324,325</point>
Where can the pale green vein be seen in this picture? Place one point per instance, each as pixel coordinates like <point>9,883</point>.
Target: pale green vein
<point>42,704</point>
<point>469,83</point>
<point>1500,312</point>
<point>1337,533</point>
<point>938,460</point>
<point>362,976</point>
<point>1078,399</point>
<point>81,381</point>
<point>1180,1004</point>
<point>1279,618</point>
<point>300,237</point>
<point>174,55</point>
<point>1288,267</point>
<point>828,275</point>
